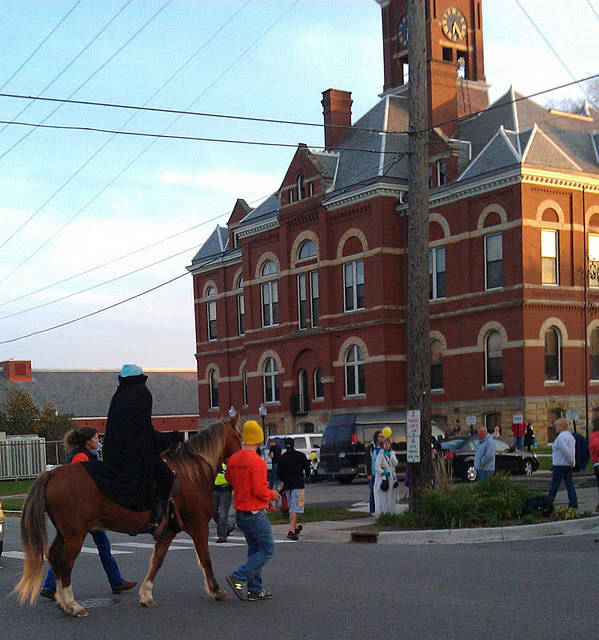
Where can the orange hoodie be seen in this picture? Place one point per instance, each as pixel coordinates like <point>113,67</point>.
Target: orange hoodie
<point>246,472</point>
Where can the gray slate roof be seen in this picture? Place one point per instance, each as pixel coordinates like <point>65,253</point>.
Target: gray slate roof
<point>87,394</point>
<point>217,243</point>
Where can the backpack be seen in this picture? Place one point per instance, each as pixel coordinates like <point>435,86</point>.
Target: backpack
<point>581,454</point>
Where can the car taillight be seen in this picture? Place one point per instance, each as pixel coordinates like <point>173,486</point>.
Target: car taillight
<point>449,455</point>
<point>354,438</point>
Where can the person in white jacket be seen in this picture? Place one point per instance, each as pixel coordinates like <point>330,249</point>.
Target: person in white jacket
<point>563,458</point>
<point>386,461</point>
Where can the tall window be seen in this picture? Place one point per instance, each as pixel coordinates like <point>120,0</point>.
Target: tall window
<point>493,357</point>
<point>594,260</point>
<point>431,179</point>
<point>553,353</point>
<point>303,400</point>
<point>441,173</point>
<point>318,385</point>
<point>314,298</point>
<point>211,314</point>
<point>549,257</point>
<point>436,365</point>
<point>354,372</point>
<point>240,308</point>
<point>493,261</point>
<point>353,280</point>
<point>213,389</point>
<point>270,295</point>
<point>302,301</point>
<point>271,381</point>
<point>436,273</point>
<point>303,282</point>
<point>301,187</point>
<point>595,354</point>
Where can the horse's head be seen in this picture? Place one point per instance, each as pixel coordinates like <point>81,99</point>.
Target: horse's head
<point>232,436</point>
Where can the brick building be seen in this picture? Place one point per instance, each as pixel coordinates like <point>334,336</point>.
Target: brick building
<point>300,303</point>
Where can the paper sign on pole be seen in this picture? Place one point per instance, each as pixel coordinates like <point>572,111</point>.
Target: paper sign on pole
<point>518,418</point>
<point>470,420</point>
<point>413,449</point>
<point>413,425</point>
<point>572,415</point>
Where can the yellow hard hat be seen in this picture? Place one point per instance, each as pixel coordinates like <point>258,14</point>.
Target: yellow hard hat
<point>387,433</point>
<point>252,433</point>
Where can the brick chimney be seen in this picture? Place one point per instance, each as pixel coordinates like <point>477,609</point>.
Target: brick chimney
<point>17,370</point>
<point>336,106</point>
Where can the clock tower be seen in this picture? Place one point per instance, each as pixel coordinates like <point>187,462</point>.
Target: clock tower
<point>455,61</point>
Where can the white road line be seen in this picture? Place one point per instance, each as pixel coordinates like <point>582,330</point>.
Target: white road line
<point>19,555</point>
<point>115,552</point>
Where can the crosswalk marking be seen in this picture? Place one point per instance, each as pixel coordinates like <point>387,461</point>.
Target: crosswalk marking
<point>19,555</point>
<point>115,552</point>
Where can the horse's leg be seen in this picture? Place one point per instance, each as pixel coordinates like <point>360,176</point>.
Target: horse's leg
<point>146,597</point>
<point>62,566</point>
<point>199,532</point>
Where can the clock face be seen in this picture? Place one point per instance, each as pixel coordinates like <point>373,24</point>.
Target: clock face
<point>453,23</point>
<point>402,31</point>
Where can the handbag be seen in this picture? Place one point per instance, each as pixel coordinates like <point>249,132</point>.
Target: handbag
<point>384,484</point>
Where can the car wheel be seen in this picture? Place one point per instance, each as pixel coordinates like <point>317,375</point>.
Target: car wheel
<point>345,479</point>
<point>471,473</point>
<point>527,468</point>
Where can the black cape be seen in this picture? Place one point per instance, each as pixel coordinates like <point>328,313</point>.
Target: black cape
<point>131,447</point>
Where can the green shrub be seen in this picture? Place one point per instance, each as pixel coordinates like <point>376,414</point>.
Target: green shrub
<point>566,513</point>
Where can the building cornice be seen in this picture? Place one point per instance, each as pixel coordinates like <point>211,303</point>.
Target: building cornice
<point>234,257</point>
<point>259,227</point>
<point>366,193</point>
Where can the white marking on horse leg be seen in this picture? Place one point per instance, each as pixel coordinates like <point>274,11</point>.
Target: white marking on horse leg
<point>146,597</point>
<point>70,605</point>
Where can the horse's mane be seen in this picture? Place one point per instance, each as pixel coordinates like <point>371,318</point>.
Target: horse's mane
<point>205,445</point>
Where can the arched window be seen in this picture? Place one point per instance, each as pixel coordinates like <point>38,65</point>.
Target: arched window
<point>213,389</point>
<point>240,307</point>
<point>553,354</point>
<point>211,314</point>
<point>307,250</point>
<point>301,187</point>
<point>436,364</point>
<point>271,381</point>
<point>318,386</point>
<point>244,382</point>
<point>493,357</point>
<point>354,372</point>
<point>595,354</point>
<point>270,295</point>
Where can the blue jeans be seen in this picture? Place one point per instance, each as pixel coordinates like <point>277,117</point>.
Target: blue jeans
<point>518,442</point>
<point>274,476</point>
<point>261,547</point>
<point>108,562</point>
<point>482,475</point>
<point>371,499</point>
<point>559,473</point>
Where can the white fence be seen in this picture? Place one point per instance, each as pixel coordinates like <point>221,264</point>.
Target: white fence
<point>22,457</point>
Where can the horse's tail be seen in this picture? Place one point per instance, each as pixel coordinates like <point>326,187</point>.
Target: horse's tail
<point>34,539</point>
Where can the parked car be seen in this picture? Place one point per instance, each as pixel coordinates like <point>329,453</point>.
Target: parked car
<point>1,529</point>
<point>347,435</point>
<point>459,454</point>
<point>307,443</point>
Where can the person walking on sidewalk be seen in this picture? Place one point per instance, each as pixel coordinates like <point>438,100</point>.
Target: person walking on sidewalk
<point>293,466</point>
<point>594,451</point>
<point>563,457</point>
<point>81,445</point>
<point>484,458</point>
<point>246,472</point>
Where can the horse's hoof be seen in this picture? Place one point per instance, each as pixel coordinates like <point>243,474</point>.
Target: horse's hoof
<point>221,594</point>
<point>82,614</point>
<point>148,603</point>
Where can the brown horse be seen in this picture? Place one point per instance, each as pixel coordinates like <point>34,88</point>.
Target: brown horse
<point>76,506</point>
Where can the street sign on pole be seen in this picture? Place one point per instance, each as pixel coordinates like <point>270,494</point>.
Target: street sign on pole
<point>413,426</point>
<point>572,415</point>
<point>413,449</point>
<point>518,418</point>
<point>470,420</point>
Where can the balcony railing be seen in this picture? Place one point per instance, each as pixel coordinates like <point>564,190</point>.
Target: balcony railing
<point>299,404</point>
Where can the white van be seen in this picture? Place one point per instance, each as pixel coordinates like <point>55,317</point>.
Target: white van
<point>307,443</point>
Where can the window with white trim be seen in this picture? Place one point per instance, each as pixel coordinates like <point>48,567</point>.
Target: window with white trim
<point>314,299</point>
<point>549,257</point>
<point>493,261</point>
<point>441,173</point>
<point>307,250</point>
<point>270,295</point>
<point>593,260</point>
<point>436,273</point>
<point>354,372</point>
<point>213,389</point>
<point>493,358</point>
<point>271,381</point>
<point>436,364</point>
<point>318,385</point>
<point>353,282</point>
<point>553,354</point>
<point>302,301</point>
<point>244,382</point>
<point>240,308</point>
<point>301,187</point>
<point>211,314</point>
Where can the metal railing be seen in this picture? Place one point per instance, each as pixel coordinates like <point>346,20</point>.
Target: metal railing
<point>22,458</point>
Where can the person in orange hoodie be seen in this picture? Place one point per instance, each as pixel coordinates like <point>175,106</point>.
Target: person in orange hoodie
<point>246,472</point>
<point>594,451</point>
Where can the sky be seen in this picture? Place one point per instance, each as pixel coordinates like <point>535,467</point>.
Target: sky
<point>89,219</point>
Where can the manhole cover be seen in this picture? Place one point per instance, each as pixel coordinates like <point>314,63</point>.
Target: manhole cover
<point>94,603</point>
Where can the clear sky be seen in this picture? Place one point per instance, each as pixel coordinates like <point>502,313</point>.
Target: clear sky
<point>86,198</point>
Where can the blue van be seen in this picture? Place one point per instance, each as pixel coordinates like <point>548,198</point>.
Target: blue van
<point>347,435</point>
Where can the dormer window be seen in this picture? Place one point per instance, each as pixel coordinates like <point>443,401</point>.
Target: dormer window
<point>301,187</point>
<point>291,195</point>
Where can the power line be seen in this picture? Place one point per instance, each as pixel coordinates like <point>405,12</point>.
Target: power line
<point>42,43</point>
<point>593,9</point>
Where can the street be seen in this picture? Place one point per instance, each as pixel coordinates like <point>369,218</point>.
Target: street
<point>542,588</point>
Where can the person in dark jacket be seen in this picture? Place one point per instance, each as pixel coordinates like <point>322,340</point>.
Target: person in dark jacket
<point>293,467</point>
<point>81,446</point>
<point>131,452</point>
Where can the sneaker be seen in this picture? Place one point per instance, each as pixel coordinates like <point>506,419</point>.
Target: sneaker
<point>124,586</point>
<point>263,595</point>
<point>292,535</point>
<point>219,540</point>
<point>240,587</point>
<point>298,529</point>
<point>48,593</point>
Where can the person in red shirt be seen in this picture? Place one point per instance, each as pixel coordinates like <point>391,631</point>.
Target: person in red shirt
<point>246,472</point>
<point>594,451</point>
<point>518,429</point>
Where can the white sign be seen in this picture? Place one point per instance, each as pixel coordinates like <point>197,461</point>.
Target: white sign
<point>470,420</point>
<point>413,426</point>
<point>572,415</point>
<point>518,418</point>
<point>413,449</point>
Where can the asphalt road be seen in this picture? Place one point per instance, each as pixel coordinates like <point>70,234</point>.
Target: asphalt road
<point>544,589</point>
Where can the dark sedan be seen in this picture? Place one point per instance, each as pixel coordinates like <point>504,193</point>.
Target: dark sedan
<point>459,454</point>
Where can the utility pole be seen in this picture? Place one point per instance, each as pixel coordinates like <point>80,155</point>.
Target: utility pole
<point>418,314</point>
